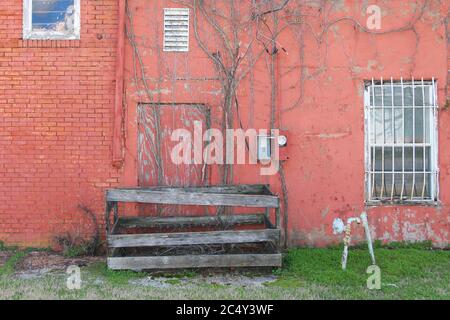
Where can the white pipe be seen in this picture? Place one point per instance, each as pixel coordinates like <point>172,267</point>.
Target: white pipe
<point>368,237</point>
<point>347,239</point>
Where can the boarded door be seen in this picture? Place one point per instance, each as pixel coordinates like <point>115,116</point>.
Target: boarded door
<point>156,124</point>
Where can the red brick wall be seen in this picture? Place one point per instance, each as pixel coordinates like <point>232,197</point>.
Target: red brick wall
<point>56,104</point>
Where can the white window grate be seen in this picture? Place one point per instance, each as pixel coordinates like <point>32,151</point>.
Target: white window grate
<point>401,141</point>
<point>176,29</point>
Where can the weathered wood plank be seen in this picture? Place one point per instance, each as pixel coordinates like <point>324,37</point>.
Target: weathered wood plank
<point>191,221</point>
<point>195,261</point>
<point>255,189</point>
<point>278,218</point>
<point>174,196</point>
<point>108,207</point>
<point>193,238</point>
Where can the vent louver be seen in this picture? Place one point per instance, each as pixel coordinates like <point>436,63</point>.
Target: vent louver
<point>176,29</point>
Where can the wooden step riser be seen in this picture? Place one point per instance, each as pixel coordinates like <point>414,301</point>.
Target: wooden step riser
<point>195,261</point>
<point>193,238</point>
<point>257,189</point>
<point>188,221</point>
<point>180,197</point>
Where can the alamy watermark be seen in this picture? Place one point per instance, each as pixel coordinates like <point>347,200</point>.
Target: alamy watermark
<point>238,146</point>
<point>374,19</point>
<point>74,279</point>
<point>374,280</point>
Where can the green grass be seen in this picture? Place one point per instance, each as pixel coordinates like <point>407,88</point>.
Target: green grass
<point>407,272</point>
<point>119,278</point>
<point>8,268</point>
<point>74,252</point>
<point>4,247</point>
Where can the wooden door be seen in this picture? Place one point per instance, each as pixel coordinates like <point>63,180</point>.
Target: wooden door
<point>156,123</point>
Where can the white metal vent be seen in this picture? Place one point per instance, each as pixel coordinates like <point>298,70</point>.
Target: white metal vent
<point>176,29</point>
<point>401,141</point>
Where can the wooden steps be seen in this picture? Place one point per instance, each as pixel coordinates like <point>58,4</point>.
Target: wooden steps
<point>221,247</point>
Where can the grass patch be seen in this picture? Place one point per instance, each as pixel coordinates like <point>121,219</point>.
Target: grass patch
<point>4,247</point>
<point>9,267</point>
<point>113,277</point>
<point>74,251</point>
<point>185,274</point>
<point>287,282</point>
<point>173,281</point>
<point>410,272</point>
<point>123,277</point>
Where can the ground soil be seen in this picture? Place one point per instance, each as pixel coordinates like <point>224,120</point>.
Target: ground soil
<point>52,262</point>
<point>4,256</point>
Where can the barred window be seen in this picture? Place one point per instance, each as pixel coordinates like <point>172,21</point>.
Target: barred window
<point>401,141</point>
<point>51,19</point>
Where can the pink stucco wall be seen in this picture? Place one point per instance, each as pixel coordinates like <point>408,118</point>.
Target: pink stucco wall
<point>319,102</point>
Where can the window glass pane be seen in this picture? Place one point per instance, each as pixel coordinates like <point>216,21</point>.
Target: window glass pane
<point>379,126</point>
<point>428,99</point>
<point>418,96</point>
<point>377,185</point>
<point>408,96</point>
<point>378,98</point>
<point>387,185</point>
<point>388,126</point>
<point>388,159</point>
<point>408,125</point>
<point>398,159</point>
<point>420,165</point>
<point>377,155</point>
<point>387,93</point>
<point>409,159</point>
<point>398,180</point>
<point>53,15</point>
<point>427,125</point>
<point>398,125</point>
<point>372,96</point>
<point>419,159</point>
<point>419,125</point>
<point>408,185</point>
<point>398,96</point>
<point>371,125</point>
<point>428,185</point>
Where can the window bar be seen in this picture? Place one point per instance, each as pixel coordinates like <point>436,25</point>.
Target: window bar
<point>368,110</point>
<point>433,140</point>
<point>384,141</point>
<point>414,139</point>
<point>424,125</point>
<point>372,193</point>
<point>404,140</point>
<point>393,139</point>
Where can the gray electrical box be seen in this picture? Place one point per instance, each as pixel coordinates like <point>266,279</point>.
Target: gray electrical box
<point>264,148</point>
